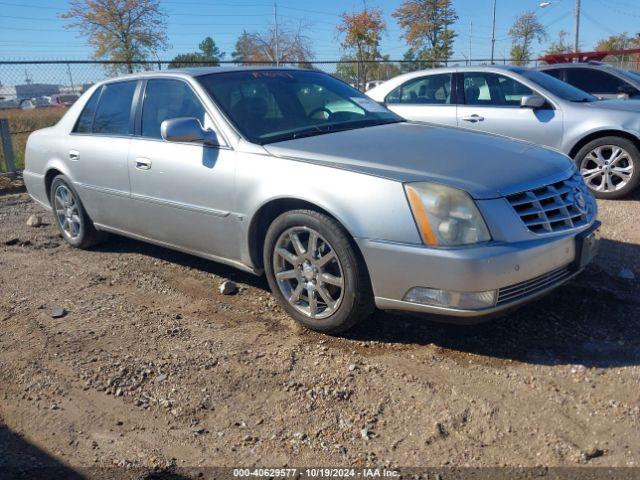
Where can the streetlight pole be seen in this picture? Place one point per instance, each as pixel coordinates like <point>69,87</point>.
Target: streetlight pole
<point>493,31</point>
<point>576,26</point>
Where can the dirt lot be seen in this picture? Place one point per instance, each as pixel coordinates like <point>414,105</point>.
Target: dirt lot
<point>153,367</point>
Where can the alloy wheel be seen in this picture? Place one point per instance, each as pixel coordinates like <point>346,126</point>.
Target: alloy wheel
<point>67,212</point>
<point>308,272</point>
<point>607,168</point>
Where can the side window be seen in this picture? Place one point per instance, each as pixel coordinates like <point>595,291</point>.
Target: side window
<point>594,81</point>
<point>166,99</point>
<point>512,91</point>
<point>555,72</point>
<point>114,108</point>
<point>429,90</point>
<point>83,125</point>
<point>493,90</point>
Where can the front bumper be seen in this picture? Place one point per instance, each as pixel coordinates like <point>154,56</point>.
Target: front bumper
<point>520,272</point>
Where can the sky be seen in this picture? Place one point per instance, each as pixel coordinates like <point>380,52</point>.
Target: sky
<point>31,29</point>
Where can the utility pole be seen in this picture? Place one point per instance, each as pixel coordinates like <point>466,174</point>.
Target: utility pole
<point>493,31</point>
<point>576,31</point>
<point>275,22</point>
<point>470,39</point>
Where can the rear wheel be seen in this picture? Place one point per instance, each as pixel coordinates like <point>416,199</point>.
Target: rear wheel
<point>72,220</point>
<point>609,166</point>
<point>315,273</point>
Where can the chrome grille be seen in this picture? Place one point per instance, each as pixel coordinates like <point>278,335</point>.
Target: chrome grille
<point>530,287</point>
<point>556,207</point>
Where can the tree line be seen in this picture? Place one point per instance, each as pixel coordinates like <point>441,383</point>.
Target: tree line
<point>135,30</point>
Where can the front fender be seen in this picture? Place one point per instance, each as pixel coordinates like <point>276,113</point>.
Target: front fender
<point>367,206</point>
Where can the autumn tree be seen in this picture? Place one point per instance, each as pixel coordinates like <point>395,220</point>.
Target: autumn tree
<point>362,32</point>
<point>561,45</point>
<point>293,46</point>
<point>427,29</point>
<point>622,41</point>
<point>245,49</point>
<point>120,30</point>
<point>524,31</point>
<point>209,55</point>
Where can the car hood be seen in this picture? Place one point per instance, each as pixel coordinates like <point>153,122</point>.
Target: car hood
<point>486,166</point>
<point>624,105</point>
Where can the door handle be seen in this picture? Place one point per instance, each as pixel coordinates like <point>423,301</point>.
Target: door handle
<point>143,163</point>
<point>74,155</point>
<point>473,118</point>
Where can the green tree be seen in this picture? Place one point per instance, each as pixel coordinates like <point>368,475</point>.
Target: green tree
<point>561,45</point>
<point>362,32</point>
<point>410,62</point>
<point>209,55</point>
<point>524,31</point>
<point>427,28</point>
<point>120,30</point>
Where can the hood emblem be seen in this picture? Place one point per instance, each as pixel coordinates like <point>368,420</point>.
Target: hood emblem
<point>581,202</point>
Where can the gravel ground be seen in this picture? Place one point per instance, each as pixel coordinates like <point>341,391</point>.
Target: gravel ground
<point>152,367</point>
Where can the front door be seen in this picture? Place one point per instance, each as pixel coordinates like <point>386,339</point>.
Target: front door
<point>425,99</point>
<point>492,104</point>
<point>183,193</point>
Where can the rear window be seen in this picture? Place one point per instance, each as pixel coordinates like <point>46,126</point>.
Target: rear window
<point>85,121</point>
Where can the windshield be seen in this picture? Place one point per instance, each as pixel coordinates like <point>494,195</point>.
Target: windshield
<point>558,87</point>
<point>274,105</point>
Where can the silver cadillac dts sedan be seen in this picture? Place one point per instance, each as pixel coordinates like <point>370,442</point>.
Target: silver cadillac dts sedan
<point>343,205</point>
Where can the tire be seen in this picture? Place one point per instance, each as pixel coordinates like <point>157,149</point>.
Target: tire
<point>591,165</point>
<point>312,276</point>
<point>72,220</point>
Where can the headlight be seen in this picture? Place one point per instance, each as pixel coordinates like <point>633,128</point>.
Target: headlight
<point>446,216</point>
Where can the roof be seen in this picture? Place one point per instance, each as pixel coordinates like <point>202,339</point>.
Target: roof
<point>553,66</point>
<point>200,71</point>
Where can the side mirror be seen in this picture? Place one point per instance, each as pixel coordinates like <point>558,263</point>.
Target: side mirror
<point>532,101</point>
<point>187,130</point>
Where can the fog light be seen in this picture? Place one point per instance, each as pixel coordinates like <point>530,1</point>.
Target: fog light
<point>459,300</point>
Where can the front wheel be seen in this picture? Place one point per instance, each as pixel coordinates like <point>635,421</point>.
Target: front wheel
<point>315,273</point>
<point>609,166</point>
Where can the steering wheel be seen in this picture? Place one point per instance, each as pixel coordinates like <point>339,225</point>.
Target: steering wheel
<point>318,110</point>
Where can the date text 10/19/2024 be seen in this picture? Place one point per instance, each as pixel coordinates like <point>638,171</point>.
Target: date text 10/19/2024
<point>315,472</point>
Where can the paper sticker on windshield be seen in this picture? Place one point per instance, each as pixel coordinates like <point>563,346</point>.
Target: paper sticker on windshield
<point>369,105</point>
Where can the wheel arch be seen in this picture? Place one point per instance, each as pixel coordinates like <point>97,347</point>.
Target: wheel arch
<point>49,175</point>
<point>270,210</point>
<point>603,133</point>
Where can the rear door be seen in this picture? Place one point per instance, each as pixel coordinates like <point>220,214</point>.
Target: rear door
<point>427,99</point>
<point>492,104</point>
<point>183,193</point>
<point>98,150</point>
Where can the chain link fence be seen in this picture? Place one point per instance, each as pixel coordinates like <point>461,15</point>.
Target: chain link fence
<point>35,94</point>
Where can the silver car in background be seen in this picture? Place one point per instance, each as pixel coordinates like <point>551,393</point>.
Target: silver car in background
<point>599,79</point>
<point>344,205</point>
<point>602,136</point>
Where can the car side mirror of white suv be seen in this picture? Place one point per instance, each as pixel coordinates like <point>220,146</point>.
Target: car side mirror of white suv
<point>187,130</point>
<point>532,101</point>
